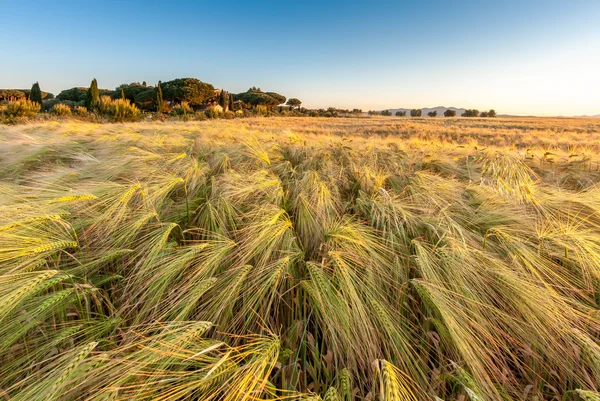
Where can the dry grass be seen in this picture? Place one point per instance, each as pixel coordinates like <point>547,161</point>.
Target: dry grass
<point>349,259</point>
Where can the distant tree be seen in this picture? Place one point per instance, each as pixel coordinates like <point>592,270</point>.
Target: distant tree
<point>449,113</point>
<point>386,113</point>
<point>92,99</point>
<point>35,95</point>
<point>471,113</point>
<point>415,113</point>
<point>190,90</point>
<point>231,102</point>
<point>223,100</point>
<point>133,91</point>
<point>356,111</point>
<point>255,97</point>
<point>144,83</point>
<point>159,103</point>
<point>492,113</point>
<point>12,94</point>
<point>294,103</point>
<point>483,114</point>
<point>432,113</point>
<point>401,114</point>
<point>144,99</point>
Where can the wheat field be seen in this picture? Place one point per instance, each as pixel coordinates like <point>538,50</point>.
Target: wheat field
<point>301,259</point>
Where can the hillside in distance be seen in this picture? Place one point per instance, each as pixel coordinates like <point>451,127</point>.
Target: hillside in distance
<point>440,110</point>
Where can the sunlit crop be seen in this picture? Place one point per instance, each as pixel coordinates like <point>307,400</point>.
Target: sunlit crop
<point>300,259</point>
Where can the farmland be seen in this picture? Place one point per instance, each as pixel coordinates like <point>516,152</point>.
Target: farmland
<point>301,259</point>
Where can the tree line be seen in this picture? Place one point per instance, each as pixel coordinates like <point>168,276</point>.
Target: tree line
<point>180,97</point>
<point>447,113</point>
<point>187,98</point>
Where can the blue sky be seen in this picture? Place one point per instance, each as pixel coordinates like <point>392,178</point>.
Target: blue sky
<point>520,57</point>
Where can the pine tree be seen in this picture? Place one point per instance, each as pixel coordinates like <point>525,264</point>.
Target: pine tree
<point>93,96</point>
<point>159,103</point>
<point>223,100</point>
<point>231,104</point>
<point>36,94</point>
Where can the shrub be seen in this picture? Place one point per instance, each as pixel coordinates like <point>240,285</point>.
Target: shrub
<point>80,110</point>
<point>200,116</point>
<point>104,104</point>
<point>261,110</point>
<point>21,108</point>
<point>120,110</point>
<point>181,109</point>
<point>213,112</point>
<point>229,115</point>
<point>61,109</point>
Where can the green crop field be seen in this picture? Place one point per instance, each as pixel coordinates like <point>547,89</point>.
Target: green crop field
<point>301,259</point>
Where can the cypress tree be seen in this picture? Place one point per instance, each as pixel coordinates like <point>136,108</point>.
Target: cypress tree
<point>231,104</point>
<point>223,100</point>
<point>122,94</point>
<point>36,94</point>
<point>159,103</point>
<point>93,96</point>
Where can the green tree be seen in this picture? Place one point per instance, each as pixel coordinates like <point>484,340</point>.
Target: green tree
<point>231,103</point>
<point>255,97</point>
<point>400,114</point>
<point>190,90</point>
<point>449,113</point>
<point>223,100</point>
<point>386,113</point>
<point>92,99</point>
<point>294,103</point>
<point>432,113</point>
<point>132,90</point>
<point>492,113</point>
<point>159,103</point>
<point>415,113</point>
<point>471,113</point>
<point>36,94</point>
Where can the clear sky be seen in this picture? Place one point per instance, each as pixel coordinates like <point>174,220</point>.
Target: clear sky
<point>520,57</point>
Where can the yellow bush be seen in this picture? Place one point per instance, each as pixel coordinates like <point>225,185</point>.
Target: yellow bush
<point>61,109</point>
<point>21,108</point>
<point>118,109</point>
<point>182,109</point>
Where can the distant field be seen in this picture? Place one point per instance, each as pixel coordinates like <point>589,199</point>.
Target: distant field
<point>301,259</point>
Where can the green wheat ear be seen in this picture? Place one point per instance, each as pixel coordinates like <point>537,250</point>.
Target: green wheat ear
<point>588,395</point>
<point>331,395</point>
<point>73,364</point>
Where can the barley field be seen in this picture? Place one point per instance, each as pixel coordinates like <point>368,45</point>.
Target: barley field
<point>380,259</point>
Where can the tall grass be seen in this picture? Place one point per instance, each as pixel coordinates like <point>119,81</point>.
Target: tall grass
<point>241,261</point>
